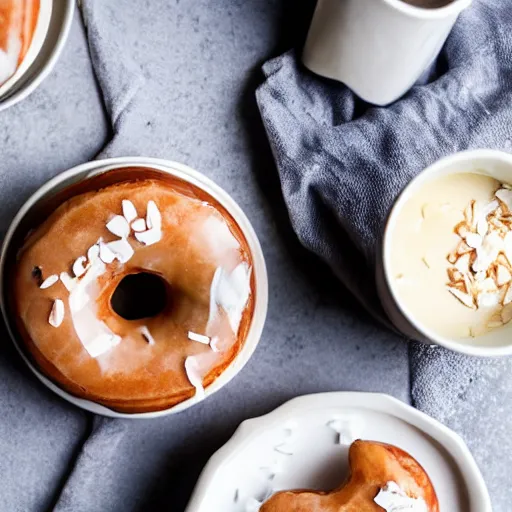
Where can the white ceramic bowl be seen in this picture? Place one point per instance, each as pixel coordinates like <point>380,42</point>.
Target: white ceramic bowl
<point>84,171</point>
<point>295,447</point>
<point>51,33</point>
<point>496,164</point>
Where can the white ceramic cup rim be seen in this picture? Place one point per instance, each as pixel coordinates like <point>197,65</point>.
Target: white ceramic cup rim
<point>454,8</point>
<point>424,176</point>
<point>186,173</point>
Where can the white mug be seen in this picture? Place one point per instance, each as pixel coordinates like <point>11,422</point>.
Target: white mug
<point>378,48</point>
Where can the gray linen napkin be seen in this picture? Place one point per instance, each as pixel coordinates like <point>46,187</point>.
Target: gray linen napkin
<point>342,164</point>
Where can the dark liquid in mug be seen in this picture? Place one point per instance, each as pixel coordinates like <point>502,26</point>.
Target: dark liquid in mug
<point>428,4</point>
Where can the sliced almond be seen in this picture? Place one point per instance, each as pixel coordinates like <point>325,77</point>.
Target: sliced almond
<point>506,313</point>
<point>49,281</point>
<point>482,227</point>
<point>468,213</point>
<point>466,299</point>
<point>488,300</point>
<point>149,237</point>
<point>462,264</point>
<point>462,229</point>
<point>454,275</point>
<point>503,275</point>
<point>119,226</point>
<point>494,324</point>
<point>57,313</point>
<point>106,255</point>
<point>201,338</point>
<point>153,216</point>
<point>93,253</point>
<point>452,257</point>
<point>67,281</point>
<point>463,248</point>
<point>147,335</point>
<point>507,299</point>
<point>79,267</point>
<point>139,225</point>
<point>505,196</point>
<point>474,240</point>
<point>129,211</point>
<point>121,249</point>
<point>467,284</point>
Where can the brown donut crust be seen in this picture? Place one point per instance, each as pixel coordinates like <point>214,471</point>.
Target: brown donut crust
<point>372,466</point>
<point>130,380</point>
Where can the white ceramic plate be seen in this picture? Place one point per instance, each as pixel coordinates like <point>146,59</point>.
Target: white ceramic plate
<point>43,22</point>
<point>296,446</point>
<point>184,172</point>
<point>51,34</point>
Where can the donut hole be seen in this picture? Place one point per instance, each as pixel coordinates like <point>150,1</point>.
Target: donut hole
<point>138,296</point>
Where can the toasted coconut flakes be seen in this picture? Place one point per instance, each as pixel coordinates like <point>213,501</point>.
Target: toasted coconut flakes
<point>153,216</point>
<point>466,299</point>
<point>505,196</point>
<point>205,340</point>
<point>488,300</point>
<point>57,313</point>
<point>93,253</point>
<point>474,240</point>
<point>139,225</point>
<point>482,227</point>
<point>67,281</point>
<point>462,264</point>
<point>507,299</point>
<point>49,281</point>
<point>468,213</point>
<point>462,229</point>
<point>147,335</point>
<point>106,255</point>
<point>467,284</point>
<point>424,259</point>
<point>463,248</point>
<point>119,226</point>
<point>122,249</point>
<point>454,275</point>
<point>506,313</point>
<point>129,210</point>
<point>79,266</point>
<point>452,257</point>
<point>503,275</point>
<point>149,237</point>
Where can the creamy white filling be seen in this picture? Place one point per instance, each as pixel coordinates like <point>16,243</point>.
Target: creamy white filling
<point>393,499</point>
<point>94,334</point>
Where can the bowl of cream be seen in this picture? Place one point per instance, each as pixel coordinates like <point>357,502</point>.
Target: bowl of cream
<point>445,276</point>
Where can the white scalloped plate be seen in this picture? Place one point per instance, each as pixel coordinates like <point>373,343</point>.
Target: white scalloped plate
<point>312,454</point>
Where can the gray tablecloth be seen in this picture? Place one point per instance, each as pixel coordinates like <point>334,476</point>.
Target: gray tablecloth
<point>190,69</point>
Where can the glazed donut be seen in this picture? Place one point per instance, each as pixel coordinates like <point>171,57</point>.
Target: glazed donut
<point>383,478</point>
<point>18,20</point>
<point>136,295</point>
